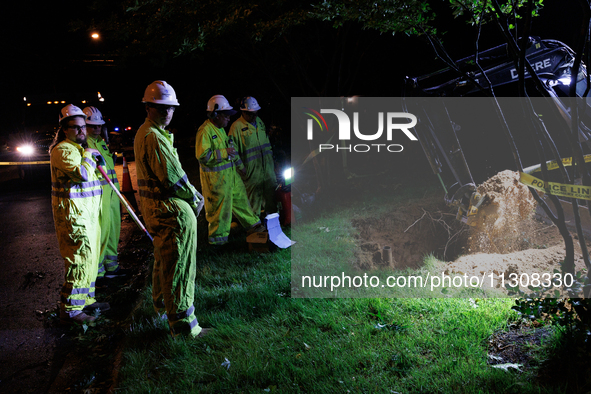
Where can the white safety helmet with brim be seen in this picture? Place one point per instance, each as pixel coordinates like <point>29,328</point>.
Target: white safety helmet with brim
<point>160,92</point>
<point>249,104</point>
<point>219,103</point>
<point>70,111</point>
<point>93,116</point>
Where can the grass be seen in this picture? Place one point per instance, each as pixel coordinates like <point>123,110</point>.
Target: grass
<point>267,341</point>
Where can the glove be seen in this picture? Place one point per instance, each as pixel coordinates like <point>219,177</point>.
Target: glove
<point>200,203</point>
<point>197,203</point>
<point>100,160</point>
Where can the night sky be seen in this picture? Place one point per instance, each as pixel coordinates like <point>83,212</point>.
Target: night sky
<point>42,58</point>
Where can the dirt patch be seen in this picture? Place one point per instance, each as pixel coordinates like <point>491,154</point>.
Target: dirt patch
<point>517,346</point>
<point>422,227</point>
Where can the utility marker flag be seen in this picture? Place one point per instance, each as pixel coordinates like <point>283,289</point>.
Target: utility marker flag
<point>556,189</point>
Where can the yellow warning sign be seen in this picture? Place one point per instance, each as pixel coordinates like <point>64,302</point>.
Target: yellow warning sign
<point>555,188</point>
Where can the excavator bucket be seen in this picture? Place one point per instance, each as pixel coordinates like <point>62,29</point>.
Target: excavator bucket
<point>437,134</point>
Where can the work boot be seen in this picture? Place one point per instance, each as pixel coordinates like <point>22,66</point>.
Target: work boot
<point>119,273</point>
<point>80,318</point>
<point>204,332</point>
<point>258,228</point>
<point>187,335</point>
<point>101,282</point>
<point>218,248</point>
<point>103,306</point>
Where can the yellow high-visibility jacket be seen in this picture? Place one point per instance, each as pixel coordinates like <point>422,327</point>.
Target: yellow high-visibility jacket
<point>76,196</point>
<point>253,147</point>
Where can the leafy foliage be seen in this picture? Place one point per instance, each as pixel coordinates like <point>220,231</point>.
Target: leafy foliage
<point>416,17</point>
<point>545,305</point>
<point>478,11</point>
<point>181,27</point>
<point>410,17</point>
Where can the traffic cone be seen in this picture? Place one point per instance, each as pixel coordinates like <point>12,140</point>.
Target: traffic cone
<point>127,187</point>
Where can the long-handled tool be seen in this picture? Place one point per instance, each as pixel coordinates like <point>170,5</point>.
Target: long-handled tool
<point>125,202</point>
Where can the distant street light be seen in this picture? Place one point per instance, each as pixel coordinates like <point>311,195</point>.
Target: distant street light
<point>95,36</point>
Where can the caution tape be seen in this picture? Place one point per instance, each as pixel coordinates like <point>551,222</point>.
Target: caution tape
<point>555,188</point>
<point>553,164</point>
<point>22,163</point>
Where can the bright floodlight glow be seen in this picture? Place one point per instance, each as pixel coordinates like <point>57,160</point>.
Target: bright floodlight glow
<point>26,150</point>
<point>287,174</point>
<point>95,36</point>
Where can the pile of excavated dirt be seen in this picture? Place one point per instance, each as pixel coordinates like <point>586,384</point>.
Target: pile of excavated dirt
<point>504,221</point>
<point>506,239</point>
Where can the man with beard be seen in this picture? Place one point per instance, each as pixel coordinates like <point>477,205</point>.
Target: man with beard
<point>76,201</point>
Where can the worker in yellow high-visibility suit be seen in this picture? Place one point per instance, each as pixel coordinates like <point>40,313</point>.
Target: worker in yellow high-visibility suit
<point>253,147</point>
<point>222,187</point>
<point>76,201</point>
<point>169,205</point>
<point>110,215</point>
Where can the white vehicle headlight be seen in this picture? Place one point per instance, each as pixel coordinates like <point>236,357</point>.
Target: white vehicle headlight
<point>26,150</point>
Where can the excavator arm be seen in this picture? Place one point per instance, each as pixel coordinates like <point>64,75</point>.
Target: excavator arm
<point>552,62</point>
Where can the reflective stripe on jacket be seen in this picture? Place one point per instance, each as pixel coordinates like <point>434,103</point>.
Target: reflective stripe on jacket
<point>254,148</point>
<point>160,175</point>
<point>73,173</point>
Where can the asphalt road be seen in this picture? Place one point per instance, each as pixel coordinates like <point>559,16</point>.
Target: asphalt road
<point>32,273</point>
<point>33,351</point>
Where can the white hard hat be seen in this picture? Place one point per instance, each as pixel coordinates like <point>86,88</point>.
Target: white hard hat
<point>160,92</point>
<point>93,116</point>
<point>69,111</point>
<point>249,104</point>
<point>218,103</point>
